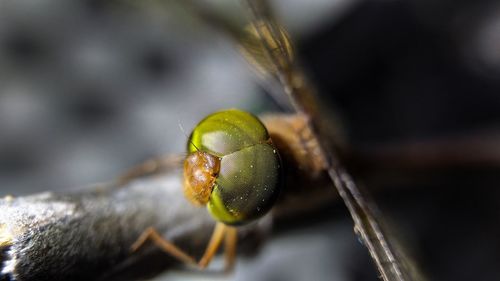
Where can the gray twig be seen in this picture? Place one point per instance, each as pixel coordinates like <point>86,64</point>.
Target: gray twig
<point>87,234</point>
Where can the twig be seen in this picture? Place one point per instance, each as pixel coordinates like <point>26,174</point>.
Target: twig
<point>87,234</point>
<point>81,235</point>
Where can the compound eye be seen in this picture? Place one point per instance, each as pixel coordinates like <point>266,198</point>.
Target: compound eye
<point>248,177</point>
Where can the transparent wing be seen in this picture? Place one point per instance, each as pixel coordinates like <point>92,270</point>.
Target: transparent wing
<point>276,59</point>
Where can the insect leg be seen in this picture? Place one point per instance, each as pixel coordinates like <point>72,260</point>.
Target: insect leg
<point>230,244</point>
<point>218,235</point>
<point>151,234</point>
<point>215,241</point>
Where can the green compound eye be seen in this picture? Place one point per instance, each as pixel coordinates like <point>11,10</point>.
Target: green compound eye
<point>231,155</point>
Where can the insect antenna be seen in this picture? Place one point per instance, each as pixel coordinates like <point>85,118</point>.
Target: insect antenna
<point>184,133</point>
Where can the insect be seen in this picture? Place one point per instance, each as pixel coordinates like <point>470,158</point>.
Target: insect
<point>234,169</point>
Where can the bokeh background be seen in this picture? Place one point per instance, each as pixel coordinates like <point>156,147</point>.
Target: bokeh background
<point>90,88</point>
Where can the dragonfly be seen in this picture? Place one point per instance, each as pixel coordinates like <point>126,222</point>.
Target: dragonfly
<point>267,47</point>
<point>235,170</point>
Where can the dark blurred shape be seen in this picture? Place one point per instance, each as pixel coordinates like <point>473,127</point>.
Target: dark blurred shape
<point>98,7</point>
<point>23,46</point>
<point>91,108</point>
<point>399,69</point>
<point>16,158</point>
<point>155,63</point>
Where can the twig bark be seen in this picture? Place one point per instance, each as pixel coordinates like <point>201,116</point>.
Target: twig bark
<point>81,235</point>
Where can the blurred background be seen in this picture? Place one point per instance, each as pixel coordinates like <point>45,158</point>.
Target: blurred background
<point>91,88</point>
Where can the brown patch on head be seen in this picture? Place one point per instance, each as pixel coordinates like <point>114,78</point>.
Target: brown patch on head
<point>200,172</point>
